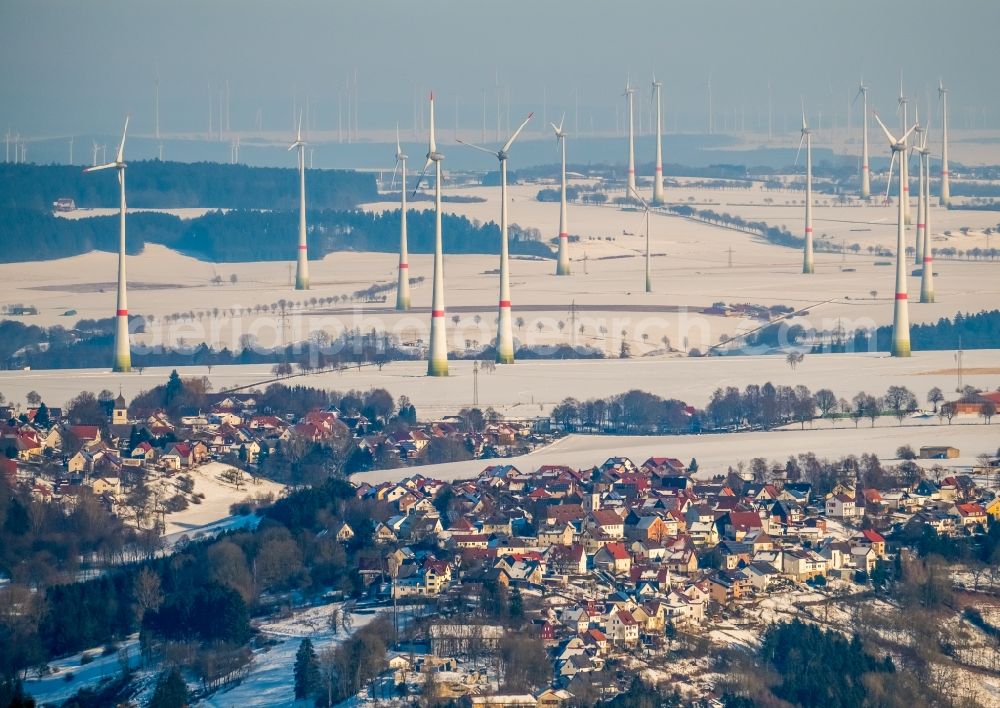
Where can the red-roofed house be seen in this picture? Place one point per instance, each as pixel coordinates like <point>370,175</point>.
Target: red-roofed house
<point>873,539</point>
<point>971,514</point>
<point>613,557</point>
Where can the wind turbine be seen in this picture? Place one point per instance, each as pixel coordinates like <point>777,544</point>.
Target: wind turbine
<point>807,253</point>
<point>658,174</point>
<point>866,191</point>
<point>505,332</point>
<point>630,186</point>
<point>945,199</point>
<point>923,212</point>
<point>437,359</point>
<point>901,315</point>
<point>122,356</point>
<point>403,286</point>
<point>904,159</point>
<point>919,139</point>
<point>649,272</point>
<point>562,265</point>
<point>302,264</point>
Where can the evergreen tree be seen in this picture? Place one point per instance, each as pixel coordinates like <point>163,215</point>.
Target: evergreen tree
<point>307,679</point>
<point>516,604</point>
<point>171,691</point>
<point>42,416</point>
<point>174,387</point>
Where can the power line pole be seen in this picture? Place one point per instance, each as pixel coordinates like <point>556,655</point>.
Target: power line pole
<point>475,382</point>
<point>730,256</point>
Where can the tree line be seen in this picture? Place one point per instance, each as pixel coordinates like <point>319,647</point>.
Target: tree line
<point>250,234</point>
<point>152,184</point>
<point>980,330</point>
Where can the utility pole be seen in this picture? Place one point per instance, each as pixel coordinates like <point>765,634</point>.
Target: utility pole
<point>730,256</point>
<point>475,382</point>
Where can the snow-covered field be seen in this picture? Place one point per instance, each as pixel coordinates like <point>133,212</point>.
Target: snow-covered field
<point>715,453</point>
<point>531,388</point>
<point>270,682</point>
<point>56,686</point>
<point>212,514</point>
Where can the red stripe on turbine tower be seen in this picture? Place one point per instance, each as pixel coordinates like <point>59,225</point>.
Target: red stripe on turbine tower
<point>404,265</point>
<point>437,313</point>
<point>505,303</point>
<point>809,229</point>
<point>122,313</point>
<point>901,296</point>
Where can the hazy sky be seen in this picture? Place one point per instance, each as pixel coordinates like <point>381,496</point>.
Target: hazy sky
<point>74,67</point>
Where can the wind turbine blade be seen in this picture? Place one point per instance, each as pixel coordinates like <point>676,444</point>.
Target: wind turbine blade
<point>100,167</point>
<point>421,177</point>
<point>298,134</point>
<point>394,170</point>
<point>556,129</point>
<point>399,149</point>
<point>799,151</point>
<point>907,133</point>
<point>888,135</point>
<point>121,146</point>
<point>561,120</point>
<point>506,145</point>
<point>477,147</point>
<point>803,104</point>
<point>888,183</point>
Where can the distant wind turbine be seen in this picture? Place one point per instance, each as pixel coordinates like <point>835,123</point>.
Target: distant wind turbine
<point>630,185</point>
<point>807,252</point>
<point>302,262</point>
<point>437,355</point>
<point>866,190</point>
<point>403,285</point>
<point>122,355</point>
<point>505,331</point>
<point>562,265</point>
<point>945,199</point>
<point>923,214</point>
<point>901,314</point>
<point>658,174</point>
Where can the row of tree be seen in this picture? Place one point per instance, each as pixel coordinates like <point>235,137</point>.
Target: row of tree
<point>250,234</point>
<point>171,185</point>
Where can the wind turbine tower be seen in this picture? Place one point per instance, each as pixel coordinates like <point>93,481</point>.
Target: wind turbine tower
<point>302,263</point>
<point>924,208</point>
<point>866,190</point>
<point>630,186</point>
<point>918,140</point>
<point>807,253</point>
<point>437,359</point>
<point>505,332</point>
<point>403,286</point>
<point>122,355</point>
<point>901,314</point>
<point>658,174</point>
<point>945,183</point>
<point>562,265</point>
